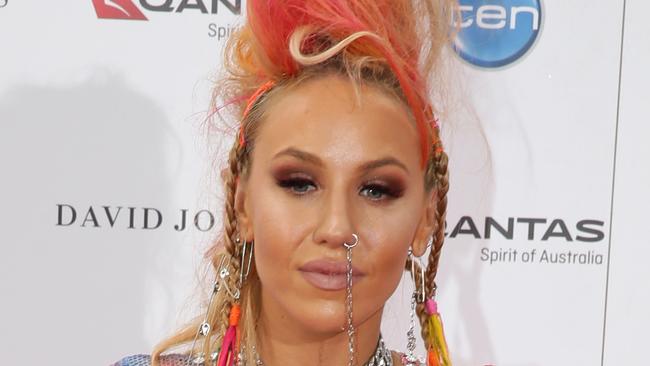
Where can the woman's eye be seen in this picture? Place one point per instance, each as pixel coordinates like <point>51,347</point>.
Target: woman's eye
<point>377,192</point>
<point>297,185</point>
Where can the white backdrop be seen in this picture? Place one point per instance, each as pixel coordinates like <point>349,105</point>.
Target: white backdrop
<point>101,153</point>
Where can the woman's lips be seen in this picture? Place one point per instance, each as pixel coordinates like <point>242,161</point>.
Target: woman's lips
<point>328,275</point>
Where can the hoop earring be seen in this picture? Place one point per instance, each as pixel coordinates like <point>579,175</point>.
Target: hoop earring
<point>418,293</point>
<point>243,274</point>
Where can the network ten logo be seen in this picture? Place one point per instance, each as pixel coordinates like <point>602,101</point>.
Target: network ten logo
<point>126,9</point>
<point>496,33</point>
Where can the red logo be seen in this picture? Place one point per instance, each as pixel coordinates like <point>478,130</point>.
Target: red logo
<point>117,9</point>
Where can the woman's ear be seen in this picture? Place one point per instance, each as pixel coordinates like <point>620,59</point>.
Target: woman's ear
<point>426,225</point>
<point>242,211</point>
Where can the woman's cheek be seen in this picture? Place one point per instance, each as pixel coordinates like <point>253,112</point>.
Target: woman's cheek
<point>389,243</point>
<point>278,225</point>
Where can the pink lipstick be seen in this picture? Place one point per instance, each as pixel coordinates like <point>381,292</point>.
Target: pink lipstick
<point>328,275</point>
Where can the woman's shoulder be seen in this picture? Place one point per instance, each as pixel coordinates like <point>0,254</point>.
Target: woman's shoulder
<point>145,360</point>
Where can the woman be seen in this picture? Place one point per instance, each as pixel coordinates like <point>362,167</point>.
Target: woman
<point>336,183</point>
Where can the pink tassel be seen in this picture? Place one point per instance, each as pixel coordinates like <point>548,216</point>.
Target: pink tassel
<point>228,352</point>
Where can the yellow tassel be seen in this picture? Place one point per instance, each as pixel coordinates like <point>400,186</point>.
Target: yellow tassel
<point>438,353</point>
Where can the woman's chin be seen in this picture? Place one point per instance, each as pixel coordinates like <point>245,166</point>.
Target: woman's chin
<point>323,316</point>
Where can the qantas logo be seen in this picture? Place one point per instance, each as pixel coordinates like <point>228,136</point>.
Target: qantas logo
<point>118,9</point>
<point>126,9</point>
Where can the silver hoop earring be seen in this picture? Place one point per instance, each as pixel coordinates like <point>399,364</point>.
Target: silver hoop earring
<point>243,273</point>
<point>419,293</point>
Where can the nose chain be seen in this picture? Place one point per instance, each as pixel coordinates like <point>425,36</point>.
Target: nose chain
<point>348,306</point>
<point>381,357</point>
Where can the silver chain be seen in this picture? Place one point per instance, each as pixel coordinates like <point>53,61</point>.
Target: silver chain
<point>410,346</point>
<point>381,357</point>
<point>348,306</point>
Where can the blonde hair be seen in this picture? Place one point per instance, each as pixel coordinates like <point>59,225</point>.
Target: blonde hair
<point>363,40</point>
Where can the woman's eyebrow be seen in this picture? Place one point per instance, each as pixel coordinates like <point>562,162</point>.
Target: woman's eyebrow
<point>311,158</point>
<point>301,155</point>
<point>389,160</point>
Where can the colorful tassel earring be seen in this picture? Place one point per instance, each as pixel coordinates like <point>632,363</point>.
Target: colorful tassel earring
<point>438,354</point>
<point>228,352</point>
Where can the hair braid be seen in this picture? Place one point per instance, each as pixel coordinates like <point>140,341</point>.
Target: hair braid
<point>440,172</point>
<point>219,320</point>
<point>232,249</point>
<point>218,314</point>
<point>442,185</point>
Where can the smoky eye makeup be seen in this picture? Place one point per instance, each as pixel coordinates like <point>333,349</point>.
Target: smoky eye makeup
<point>300,180</point>
<point>297,185</point>
<point>294,180</point>
<point>379,189</point>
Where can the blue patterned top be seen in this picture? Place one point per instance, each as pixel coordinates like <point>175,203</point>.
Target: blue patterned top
<point>181,360</point>
<point>145,360</point>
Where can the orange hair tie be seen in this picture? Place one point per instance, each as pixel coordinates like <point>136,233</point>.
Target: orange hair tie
<point>432,359</point>
<point>235,311</point>
<point>249,105</point>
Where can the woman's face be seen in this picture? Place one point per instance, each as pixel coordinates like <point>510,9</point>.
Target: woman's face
<point>323,169</point>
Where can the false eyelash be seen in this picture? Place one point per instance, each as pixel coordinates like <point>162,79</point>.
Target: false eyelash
<point>292,182</point>
<point>390,192</point>
<point>386,191</point>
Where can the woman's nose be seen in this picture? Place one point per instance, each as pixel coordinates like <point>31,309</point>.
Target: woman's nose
<point>335,225</point>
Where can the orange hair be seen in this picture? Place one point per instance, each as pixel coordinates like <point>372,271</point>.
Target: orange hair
<point>394,44</point>
<point>380,28</point>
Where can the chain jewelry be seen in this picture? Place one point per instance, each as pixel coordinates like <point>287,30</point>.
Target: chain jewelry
<point>204,328</point>
<point>348,298</point>
<point>410,345</point>
<point>381,357</point>
<point>348,307</point>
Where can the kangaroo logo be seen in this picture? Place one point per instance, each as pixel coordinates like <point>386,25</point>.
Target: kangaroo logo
<point>117,9</point>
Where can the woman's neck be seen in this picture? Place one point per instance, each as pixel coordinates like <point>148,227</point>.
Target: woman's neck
<point>284,341</point>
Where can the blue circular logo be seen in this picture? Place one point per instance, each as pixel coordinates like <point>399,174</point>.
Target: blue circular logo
<point>495,33</point>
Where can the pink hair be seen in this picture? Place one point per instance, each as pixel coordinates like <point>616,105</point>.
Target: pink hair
<point>272,23</point>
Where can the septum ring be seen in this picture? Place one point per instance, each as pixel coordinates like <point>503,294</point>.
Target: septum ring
<point>354,244</point>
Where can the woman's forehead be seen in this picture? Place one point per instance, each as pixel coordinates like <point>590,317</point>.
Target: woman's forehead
<point>323,117</point>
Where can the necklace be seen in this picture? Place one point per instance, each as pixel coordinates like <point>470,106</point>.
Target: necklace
<point>381,357</point>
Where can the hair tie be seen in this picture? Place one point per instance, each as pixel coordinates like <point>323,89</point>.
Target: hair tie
<point>438,353</point>
<point>249,105</point>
